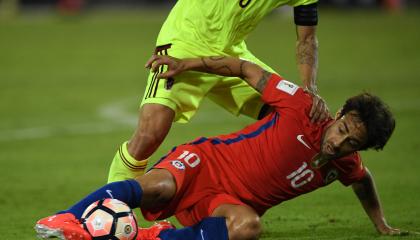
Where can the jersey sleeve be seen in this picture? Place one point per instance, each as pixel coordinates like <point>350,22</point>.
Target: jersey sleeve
<point>295,3</point>
<point>281,93</point>
<point>352,169</point>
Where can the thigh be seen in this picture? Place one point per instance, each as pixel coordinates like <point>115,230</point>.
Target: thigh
<point>183,93</point>
<point>185,165</point>
<point>236,95</point>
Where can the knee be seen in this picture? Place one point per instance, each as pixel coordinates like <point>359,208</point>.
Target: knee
<point>156,191</point>
<point>160,192</point>
<point>245,228</point>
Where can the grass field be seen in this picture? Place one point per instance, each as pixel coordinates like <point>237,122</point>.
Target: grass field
<point>69,91</point>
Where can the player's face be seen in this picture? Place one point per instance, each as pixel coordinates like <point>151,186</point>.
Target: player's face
<point>346,135</point>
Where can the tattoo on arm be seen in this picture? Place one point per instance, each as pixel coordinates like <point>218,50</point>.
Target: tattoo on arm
<point>217,58</point>
<point>263,81</point>
<point>213,66</point>
<point>307,52</point>
<point>241,69</point>
<point>205,64</point>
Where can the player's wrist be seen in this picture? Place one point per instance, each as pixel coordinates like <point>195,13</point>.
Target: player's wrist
<point>382,226</point>
<point>313,89</point>
<point>185,64</point>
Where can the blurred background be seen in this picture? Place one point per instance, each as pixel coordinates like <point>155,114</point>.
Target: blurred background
<point>72,75</point>
<point>140,3</point>
<point>78,5</point>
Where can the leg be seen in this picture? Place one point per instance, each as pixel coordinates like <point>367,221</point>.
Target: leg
<point>228,221</point>
<point>159,188</point>
<point>242,221</point>
<point>155,121</point>
<point>155,188</point>
<point>237,96</point>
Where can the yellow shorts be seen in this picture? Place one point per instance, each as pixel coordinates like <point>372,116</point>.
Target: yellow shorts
<point>185,92</point>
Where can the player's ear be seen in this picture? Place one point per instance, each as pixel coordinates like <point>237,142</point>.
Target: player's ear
<point>338,114</point>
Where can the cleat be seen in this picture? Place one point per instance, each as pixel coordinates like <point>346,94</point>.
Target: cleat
<point>63,226</point>
<point>153,232</point>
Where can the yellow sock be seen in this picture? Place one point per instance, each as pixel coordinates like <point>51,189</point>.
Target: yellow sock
<point>124,166</point>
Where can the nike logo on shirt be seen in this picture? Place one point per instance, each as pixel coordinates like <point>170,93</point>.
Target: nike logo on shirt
<point>300,139</point>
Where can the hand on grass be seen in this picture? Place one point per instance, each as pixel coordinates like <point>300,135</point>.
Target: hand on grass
<point>390,231</point>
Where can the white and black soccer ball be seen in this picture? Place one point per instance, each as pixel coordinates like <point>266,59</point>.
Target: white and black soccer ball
<point>110,219</point>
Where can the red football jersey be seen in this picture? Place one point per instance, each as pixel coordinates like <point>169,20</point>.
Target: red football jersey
<point>269,162</point>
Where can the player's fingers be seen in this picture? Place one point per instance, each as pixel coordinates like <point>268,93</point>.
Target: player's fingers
<point>157,63</point>
<point>168,74</point>
<point>317,113</point>
<point>404,233</point>
<point>321,112</point>
<point>151,60</point>
<point>325,111</point>
<point>315,110</point>
<point>325,116</point>
<point>315,101</point>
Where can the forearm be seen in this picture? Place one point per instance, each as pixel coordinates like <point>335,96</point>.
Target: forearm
<point>228,66</point>
<point>220,65</point>
<point>368,196</point>
<point>256,76</point>
<point>307,60</point>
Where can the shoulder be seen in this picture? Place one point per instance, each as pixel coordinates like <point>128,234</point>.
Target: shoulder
<point>281,93</point>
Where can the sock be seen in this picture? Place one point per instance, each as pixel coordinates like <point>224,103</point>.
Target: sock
<point>209,228</point>
<point>124,166</point>
<point>128,191</point>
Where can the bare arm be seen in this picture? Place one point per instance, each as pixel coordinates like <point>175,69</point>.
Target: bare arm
<point>307,56</point>
<point>225,66</point>
<point>307,60</point>
<point>366,192</point>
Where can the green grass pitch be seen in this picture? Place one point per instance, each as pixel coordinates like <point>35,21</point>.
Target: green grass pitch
<point>70,87</point>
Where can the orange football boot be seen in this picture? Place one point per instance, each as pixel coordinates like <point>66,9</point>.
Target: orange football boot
<point>153,232</point>
<point>63,226</point>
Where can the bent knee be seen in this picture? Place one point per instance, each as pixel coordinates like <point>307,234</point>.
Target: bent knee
<point>244,229</point>
<point>158,189</point>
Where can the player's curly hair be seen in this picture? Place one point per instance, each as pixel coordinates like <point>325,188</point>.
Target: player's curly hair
<point>376,117</point>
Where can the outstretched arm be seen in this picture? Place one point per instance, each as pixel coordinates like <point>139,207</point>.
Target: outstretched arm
<point>366,192</point>
<point>307,56</point>
<point>307,60</point>
<point>225,66</point>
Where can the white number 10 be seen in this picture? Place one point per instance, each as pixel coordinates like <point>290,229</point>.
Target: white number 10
<point>191,159</point>
<point>303,174</point>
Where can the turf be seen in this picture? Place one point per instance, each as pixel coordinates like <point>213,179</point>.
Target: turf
<point>69,91</point>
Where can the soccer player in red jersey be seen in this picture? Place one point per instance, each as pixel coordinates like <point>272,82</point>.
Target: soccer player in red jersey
<point>219,187</point>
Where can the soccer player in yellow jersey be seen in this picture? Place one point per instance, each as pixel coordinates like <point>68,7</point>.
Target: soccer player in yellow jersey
<point>196,28</point>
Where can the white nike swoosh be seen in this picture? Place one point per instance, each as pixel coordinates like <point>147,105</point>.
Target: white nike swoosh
<point>109,193</point>
<point>202,236</point>
<point>299,138</point>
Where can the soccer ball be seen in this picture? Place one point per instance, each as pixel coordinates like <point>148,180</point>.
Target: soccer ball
<point>110,219</point>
